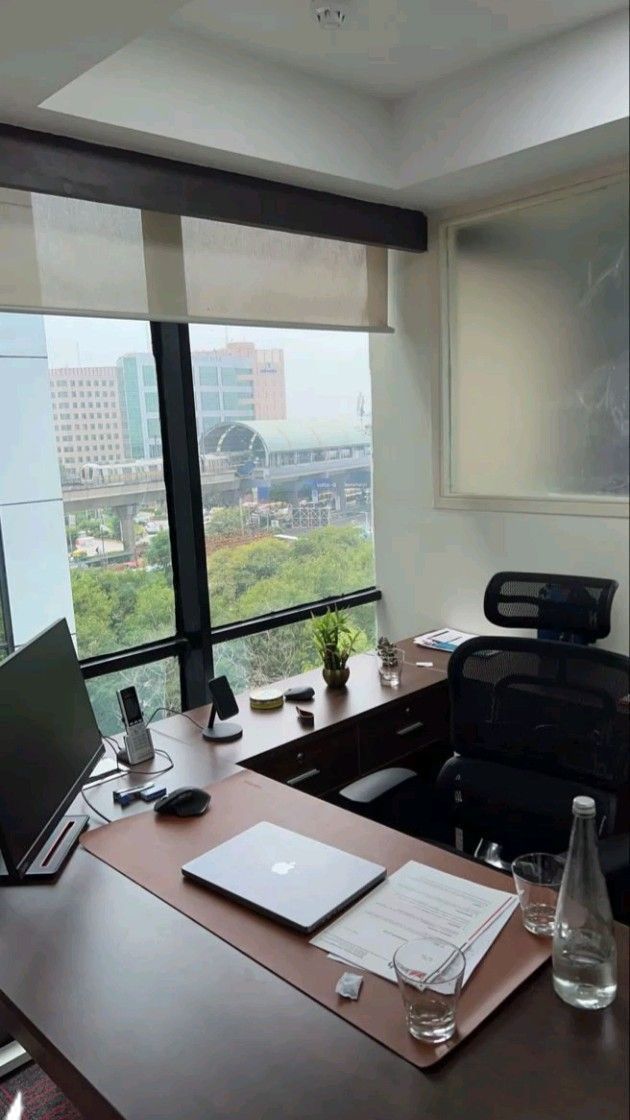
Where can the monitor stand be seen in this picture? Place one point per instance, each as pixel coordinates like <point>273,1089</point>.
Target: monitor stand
<point>52,855</point>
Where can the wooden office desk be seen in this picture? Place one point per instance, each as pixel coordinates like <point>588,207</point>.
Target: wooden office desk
<point>361,728</point>
<point>139,1014</point>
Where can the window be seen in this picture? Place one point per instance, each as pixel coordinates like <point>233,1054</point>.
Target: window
<point>234,401</point>
<point>269,656</point>
<point>157,686</point>
<point>536,360</point>
<point>233,376</point>
<point>210,402</point>
<point>297,530</point>
<point>208,375</point>
<point>284,509</point>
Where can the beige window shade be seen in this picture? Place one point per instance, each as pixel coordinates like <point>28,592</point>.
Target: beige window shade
<point>69,256</point>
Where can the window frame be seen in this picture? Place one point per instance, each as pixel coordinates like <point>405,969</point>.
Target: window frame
<point>194,638</point>
<point>67,167</point>
<point>445,497</point>
<point>7,645</point>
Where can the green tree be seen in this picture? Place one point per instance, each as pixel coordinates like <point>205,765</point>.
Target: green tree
<point>153,614</point>
<point>225,522</point>
<point>115,609</point>
<point>93,614</point>
<point>159,552</point>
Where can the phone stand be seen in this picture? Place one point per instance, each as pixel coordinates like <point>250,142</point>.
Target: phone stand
<point>223,732</point>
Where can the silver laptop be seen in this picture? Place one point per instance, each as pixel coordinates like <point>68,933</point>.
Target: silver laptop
<point>292,878</point>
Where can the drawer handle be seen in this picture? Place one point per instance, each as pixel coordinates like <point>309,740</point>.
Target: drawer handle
<point>302,777</point>
<point>410,728</point>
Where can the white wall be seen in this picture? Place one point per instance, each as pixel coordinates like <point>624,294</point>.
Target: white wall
<point>433,564</point>
<point>565,86</point>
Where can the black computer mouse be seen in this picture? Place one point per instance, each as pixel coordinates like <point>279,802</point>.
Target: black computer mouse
<point>188,801</point>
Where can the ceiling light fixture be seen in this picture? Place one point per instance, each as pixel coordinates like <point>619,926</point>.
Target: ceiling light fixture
<point>330,15</point>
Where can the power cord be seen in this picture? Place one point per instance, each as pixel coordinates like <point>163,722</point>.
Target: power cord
<point>122,770</point>
<point>151,773</point>
<point>174,712</point>
<point>128,770</point>
<point>108,820</point>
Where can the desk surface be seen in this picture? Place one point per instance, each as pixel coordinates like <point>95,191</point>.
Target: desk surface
<point>264,731</point>
<point>138,1013</point>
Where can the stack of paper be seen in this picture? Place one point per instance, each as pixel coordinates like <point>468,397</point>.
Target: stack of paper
<point>417,901</point>
<point>447,640</point>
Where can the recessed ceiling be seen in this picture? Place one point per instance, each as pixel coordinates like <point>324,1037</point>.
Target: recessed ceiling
<point>387,47</point>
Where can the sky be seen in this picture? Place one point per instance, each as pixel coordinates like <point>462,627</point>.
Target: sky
<point>325,371</point>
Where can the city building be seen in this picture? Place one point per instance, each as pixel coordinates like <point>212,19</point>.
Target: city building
<point>140,410</point>
<point>270,402</point>
<point>104,414</point>
<point>224,387</point>
<point>237,383</point>
<point>87,415</point>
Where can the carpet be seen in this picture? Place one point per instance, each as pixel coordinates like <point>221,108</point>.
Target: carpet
<point>41,1099</point>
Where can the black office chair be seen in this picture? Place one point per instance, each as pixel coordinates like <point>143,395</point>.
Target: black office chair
<point>562,608</point>
<point>533,724</point>
<point>523,708</point>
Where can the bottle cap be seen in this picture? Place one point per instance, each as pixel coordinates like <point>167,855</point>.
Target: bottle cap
<point>583,807</point>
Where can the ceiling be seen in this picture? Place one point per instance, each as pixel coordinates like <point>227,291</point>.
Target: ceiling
<point>387,47</point>
<point>414,102</point>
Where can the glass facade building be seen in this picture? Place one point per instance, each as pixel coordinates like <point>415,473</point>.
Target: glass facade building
<point>223,386</point>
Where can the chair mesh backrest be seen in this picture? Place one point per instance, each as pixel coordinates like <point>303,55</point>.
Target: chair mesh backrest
<point>571,605</point>
<point>554,707</point>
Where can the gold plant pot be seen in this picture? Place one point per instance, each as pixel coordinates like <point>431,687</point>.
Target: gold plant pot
<point>336,678</point>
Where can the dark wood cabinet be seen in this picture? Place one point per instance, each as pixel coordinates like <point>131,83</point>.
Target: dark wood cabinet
<point>410,731</point>
<point>318,766</point>
<point>417,722</point>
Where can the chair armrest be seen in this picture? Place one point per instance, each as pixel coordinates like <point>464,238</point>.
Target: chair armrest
<point>372,786</point>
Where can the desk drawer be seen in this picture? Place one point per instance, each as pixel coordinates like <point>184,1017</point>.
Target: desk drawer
<point>416,721</point>
<point>313,767</point>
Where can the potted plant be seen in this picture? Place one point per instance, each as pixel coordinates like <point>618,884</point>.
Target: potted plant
<point>390,662</point>
<point>335,640</point>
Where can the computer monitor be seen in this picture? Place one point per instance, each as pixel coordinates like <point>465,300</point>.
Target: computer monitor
<point>49,743</point>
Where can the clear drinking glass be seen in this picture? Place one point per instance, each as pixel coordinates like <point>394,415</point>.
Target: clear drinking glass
<point>430,973</point>
<point>537,877</point>
<point>390,671</point>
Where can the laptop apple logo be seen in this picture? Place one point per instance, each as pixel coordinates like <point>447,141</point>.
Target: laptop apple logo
<point>282,867</point>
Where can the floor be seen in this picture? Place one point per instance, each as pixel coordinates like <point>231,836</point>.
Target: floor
<point>41,1099</point>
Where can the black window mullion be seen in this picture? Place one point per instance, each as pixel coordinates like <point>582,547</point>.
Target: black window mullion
<point>5,607</point>
<point>171,347</point>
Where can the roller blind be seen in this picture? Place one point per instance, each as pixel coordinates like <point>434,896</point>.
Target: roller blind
<point>64,255</point>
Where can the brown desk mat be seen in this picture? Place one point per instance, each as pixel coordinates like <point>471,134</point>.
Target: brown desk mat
<point>150,850</point>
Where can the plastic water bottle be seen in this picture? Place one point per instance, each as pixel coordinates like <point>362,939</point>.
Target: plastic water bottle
<point>584,951</point>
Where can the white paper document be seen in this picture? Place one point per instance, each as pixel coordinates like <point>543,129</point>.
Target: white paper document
<point>446,640</point>
<point>414,902</point>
